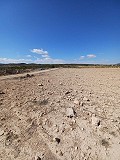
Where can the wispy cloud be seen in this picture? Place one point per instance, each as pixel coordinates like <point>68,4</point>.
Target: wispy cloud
<point>82,57</point>
<point>45,56</point>
<point>91,56</point>
<point>49,60</point>
<point>29,56</point>
<point>10,60</point>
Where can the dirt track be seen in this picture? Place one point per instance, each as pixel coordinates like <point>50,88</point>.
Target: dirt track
<point>24,74</point>
<point>34,115</point>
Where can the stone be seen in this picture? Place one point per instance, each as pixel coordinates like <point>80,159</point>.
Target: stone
<point>40,84</point>
<point>57,140</point>
<point>76,101</point>
<point>37,158</point>
<point>28,75</point>
<point>76,148</point>
<point>67,92</point>
<point>86,99</point>
<point>70,112</point>
<point>95,121</point>
<point>81,103</point>
<point>60,153</point>
<point>1,132</point>
<point>1,92</point>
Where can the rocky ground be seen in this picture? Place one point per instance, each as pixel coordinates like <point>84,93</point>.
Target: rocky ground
<point>65,114</point>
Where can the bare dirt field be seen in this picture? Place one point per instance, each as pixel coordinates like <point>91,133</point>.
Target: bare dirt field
<point>64,114</point>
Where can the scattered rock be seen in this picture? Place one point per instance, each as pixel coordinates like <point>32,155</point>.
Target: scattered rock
<point>85,99</point>
<point>76,101</point>
<point>58,101</point>
<point>76,148</point>
<point>40,84</point>
<point>1,92</point>
<point>60,153</point>
<point>70,112</point>
<point>1,132</point>
<point>95,120</point>
<point>67,92</point>
<point>50,93</point>
<point>38,158</point>
<point>57,140</point>
<point>81,103</point>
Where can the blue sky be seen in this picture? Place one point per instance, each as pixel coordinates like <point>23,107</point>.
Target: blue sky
<point>60,31</point>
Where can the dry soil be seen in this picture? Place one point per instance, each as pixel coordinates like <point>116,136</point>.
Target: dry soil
<point>65,114</point>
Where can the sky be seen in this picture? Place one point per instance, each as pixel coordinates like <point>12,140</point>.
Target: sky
<point>60,31</point>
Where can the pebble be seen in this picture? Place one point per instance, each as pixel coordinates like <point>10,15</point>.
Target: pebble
<point>76,101</point>
<point>81,104</point>
<point>1,132</point>
<point>86,99</point>
<point>95,120</point>
<point>74,121</point>
<point>70,112</point>
<point>60,153</point>
<point>2,92</point>
<point>37,158</point>
<point>67,92</point>
<point>76,148</point>
<point>57,140</point>
<point>40,84</point>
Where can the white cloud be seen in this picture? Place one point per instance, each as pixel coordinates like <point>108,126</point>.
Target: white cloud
<point>39,51</point>
<point>10,60</point>
<point>91,56</point>
<point>82,57</point>
<point>45,55</point>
